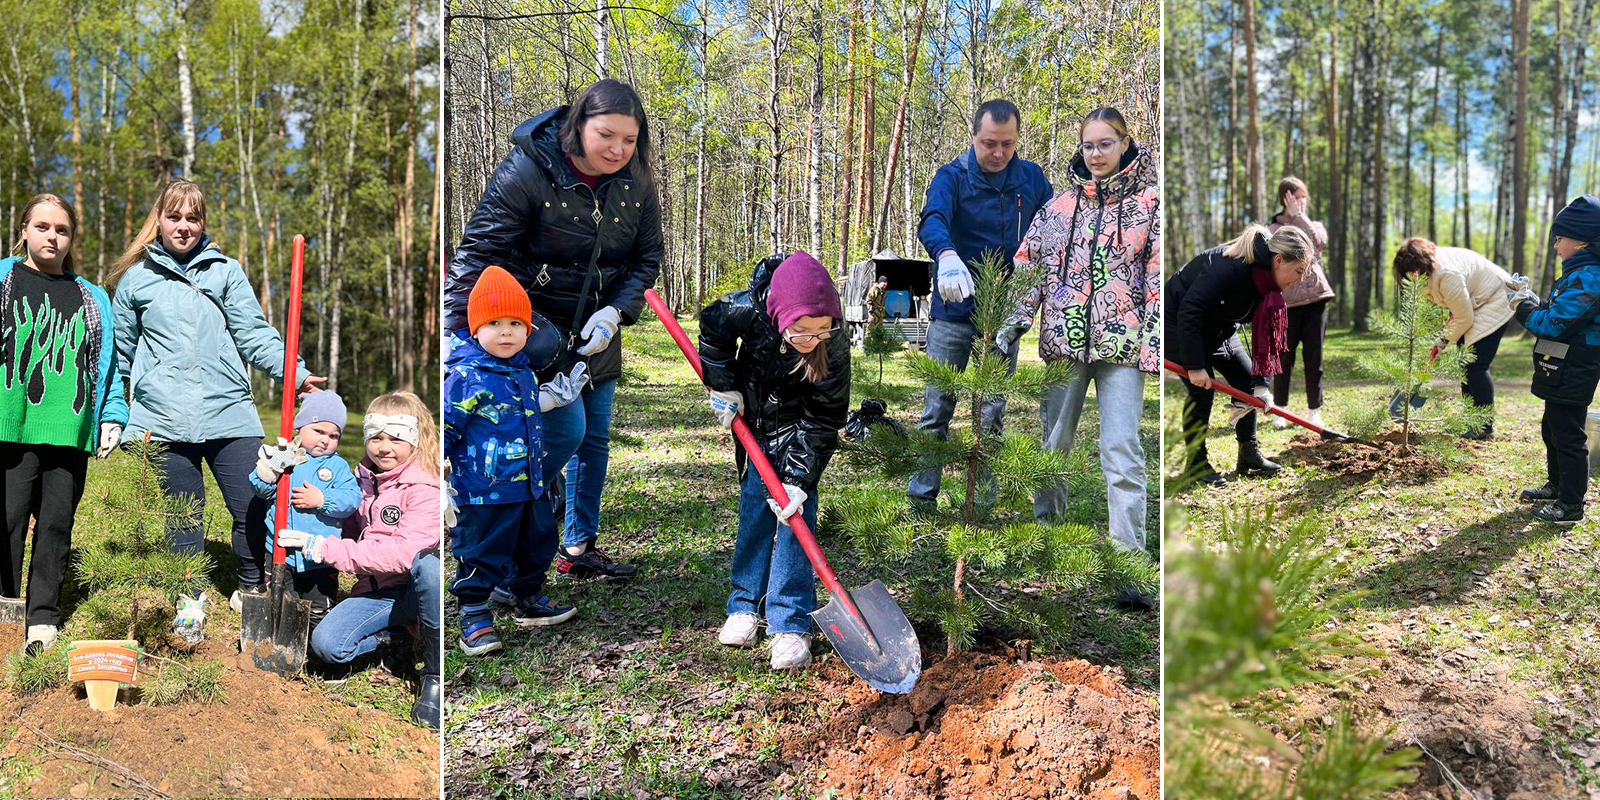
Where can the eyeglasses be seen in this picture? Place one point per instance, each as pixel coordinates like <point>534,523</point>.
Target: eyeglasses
<point>1102,146</point>
<point>801,338</point>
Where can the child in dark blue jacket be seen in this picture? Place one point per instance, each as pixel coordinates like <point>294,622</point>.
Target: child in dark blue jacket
<point>323,493</point>
<point>1566,360</point>
<point>505,532</point>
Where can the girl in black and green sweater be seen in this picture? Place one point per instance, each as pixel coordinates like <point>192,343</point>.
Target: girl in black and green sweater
<point>61,398</point>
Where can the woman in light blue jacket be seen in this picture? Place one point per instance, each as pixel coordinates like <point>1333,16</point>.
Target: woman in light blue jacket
<point>187,322</point>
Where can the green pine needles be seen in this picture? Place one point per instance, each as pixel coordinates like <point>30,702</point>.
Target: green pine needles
<point>1249,622</point>
<point>1405,370</point>
<point>976,551</point>
<point>134,558</point>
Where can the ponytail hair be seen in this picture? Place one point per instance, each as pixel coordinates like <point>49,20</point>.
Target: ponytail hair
<point>174,195</point>
<point>48,198</point>
<point>1289,242</point>
<point>404,402</point>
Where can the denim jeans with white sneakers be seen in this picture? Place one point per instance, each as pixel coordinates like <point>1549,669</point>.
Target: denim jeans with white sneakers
<point>1119,392</point>
<point>769,564</point>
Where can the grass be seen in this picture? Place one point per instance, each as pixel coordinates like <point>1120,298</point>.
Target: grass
<point>635,694</point>
<point>1453,559</point>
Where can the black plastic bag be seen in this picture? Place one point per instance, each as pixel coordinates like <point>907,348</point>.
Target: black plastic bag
<point>860,421</point>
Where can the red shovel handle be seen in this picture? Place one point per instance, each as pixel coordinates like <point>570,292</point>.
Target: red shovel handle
<point>291,355</point>
<point>758,457</point>
<point>1245,397</point>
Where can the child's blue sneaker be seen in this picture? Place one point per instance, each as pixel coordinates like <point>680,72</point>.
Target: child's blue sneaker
<point>540,612</point>
<point>477,631</point>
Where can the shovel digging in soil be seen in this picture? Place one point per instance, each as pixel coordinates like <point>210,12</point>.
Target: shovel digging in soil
<point>274,626</point>
<point>1245,397</point>
<point>865,625</point>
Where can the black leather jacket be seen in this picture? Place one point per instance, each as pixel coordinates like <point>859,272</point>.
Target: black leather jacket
<point>798,421</point>
<point>537,220</point>
<point>1206,300</point>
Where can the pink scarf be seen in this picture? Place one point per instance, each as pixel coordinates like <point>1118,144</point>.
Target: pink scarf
<point>1269,328</point>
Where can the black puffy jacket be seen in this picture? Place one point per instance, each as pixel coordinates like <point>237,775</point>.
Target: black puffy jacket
<point>537,220</point>
<point>742,351</point>
<point>1205,301</point>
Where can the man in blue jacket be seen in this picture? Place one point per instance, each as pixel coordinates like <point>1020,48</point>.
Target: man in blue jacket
<point>978,206</point>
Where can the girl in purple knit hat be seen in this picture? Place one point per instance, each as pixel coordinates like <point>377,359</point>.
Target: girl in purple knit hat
<point>773,354</point>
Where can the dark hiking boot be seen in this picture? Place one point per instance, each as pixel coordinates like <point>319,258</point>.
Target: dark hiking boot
<point>1252,462</point>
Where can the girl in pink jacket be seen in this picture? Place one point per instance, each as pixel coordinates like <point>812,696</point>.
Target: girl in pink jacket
<point>392,545</point>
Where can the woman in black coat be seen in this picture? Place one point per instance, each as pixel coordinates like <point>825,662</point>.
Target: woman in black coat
<point>572,213</point>
<point>1240,282</point>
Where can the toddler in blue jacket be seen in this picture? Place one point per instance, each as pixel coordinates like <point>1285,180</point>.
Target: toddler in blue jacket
<point>505,529</point>
<point>324,492</point>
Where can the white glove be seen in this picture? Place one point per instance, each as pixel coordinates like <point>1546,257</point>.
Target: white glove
<point>955,282</point>
<point>563,389</point>
<point>310,545</point>
<point>1238,408</point>
<point>110,435</point>
<point>726,405</point>
<point>797,498</point>
<point>451,510</point>
<point>1523,294</point>
<point>284,454</point>
<point>600,330</point>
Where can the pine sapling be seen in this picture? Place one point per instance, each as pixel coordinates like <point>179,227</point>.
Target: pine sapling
<point>1406,370</point>
<point>135,556</point>
<point>986,547</point>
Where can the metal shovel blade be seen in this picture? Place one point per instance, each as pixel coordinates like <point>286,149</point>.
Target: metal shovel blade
<point>281,649</point>
<point>1397,404</point>
<point>13,610</point>
<point>894,665</point>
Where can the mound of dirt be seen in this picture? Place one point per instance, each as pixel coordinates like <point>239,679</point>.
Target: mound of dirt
<point>980,726</point>
<point>1358,461</point>
<point>1463,709</point>
<point>271,738</point>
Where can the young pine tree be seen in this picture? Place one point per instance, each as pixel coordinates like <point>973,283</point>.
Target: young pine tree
<point>972,552</point>
<point>880,342</point>
<point>1406,370</point>
<point>134,559</point>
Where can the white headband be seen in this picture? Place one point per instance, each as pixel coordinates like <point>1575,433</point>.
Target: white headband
<point>398,426</point>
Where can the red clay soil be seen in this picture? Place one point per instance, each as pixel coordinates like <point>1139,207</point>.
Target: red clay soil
<point>270,738</point>
<point>983,727</point>
<point>1363,462</point>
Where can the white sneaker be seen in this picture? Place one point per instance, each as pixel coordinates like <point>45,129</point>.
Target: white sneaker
<point>44,635</point>
<point>741,630</point>
<point>235,603</point>
<point>1314,417</point>
<point>191,618</point>
<point>1279,423</point>
<point>791,651</point>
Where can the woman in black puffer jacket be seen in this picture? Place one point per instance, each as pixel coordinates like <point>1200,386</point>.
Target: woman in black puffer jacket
<point>1238,283</point>
<point>572,213</point>
<point>773,354</point>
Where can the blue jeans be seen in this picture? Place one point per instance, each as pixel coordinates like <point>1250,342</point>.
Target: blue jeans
<point>577,438</point>
<point>769,564</point>
<point>351,628</point>
<point>951,343</point>
<point>1119,391</point>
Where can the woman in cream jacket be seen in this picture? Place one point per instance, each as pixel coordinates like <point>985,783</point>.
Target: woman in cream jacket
<point>1474,290</point>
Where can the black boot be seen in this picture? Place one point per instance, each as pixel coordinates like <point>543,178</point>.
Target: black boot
<point>429,704</point>
<point>1203,473</point>
<point>1252,462</point>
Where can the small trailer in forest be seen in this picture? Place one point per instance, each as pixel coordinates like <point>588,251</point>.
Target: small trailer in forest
<point>907,302</point>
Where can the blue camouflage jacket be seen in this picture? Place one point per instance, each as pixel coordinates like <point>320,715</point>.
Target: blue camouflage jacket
<point>491,425</point>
